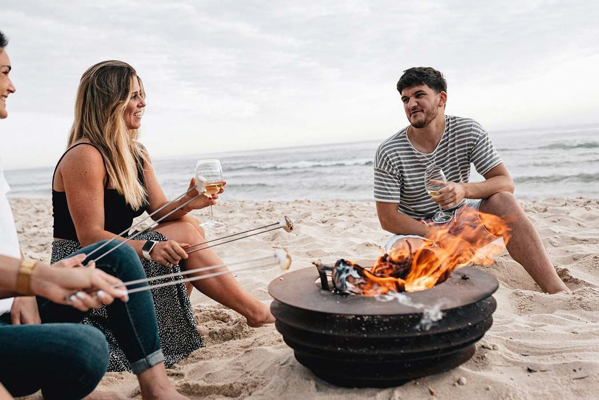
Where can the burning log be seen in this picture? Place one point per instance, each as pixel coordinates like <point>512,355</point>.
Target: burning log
<point>350,278</point>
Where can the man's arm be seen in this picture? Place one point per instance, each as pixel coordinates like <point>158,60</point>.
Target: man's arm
<point>497,180</point>
<point>398,223</point>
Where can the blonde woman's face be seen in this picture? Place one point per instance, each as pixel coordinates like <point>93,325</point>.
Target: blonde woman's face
<point>6,86</point>
<point>135,107</point>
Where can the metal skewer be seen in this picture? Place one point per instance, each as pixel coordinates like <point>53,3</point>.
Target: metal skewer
<point>195,278</point>
<point>285,223</point>
<point>228,236</point>
<point>281,257</point>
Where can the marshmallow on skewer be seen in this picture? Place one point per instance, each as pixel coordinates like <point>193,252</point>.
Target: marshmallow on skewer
<point>200,183</point>
<point>283,258</point>
<point>286,224</point>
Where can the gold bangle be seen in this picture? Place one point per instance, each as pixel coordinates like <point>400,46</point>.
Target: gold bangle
<point>24,277</point>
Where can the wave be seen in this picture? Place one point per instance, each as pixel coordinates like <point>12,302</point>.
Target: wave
<point>260,185</point>
<point>585,178</point>
<point>570,146</point>
<point>304,165</point>
<point>552,146</point>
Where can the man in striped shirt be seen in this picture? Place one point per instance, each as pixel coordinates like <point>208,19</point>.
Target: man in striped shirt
<point>451,143</point>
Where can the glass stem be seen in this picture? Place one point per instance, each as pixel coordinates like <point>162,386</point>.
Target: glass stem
<point>210,213</point>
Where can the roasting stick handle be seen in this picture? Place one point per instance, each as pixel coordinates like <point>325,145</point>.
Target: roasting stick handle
<point>150,227</point>
<point>190,271</point>
<point>233,240</point>
<point>139,223</point>
<point>234,234</point>
<point>196,278</point>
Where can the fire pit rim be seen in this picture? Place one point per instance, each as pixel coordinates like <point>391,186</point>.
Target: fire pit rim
<point>474,285</point>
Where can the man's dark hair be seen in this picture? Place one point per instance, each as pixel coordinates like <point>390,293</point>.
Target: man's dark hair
<point>422,76</point>
<point>3,40</point>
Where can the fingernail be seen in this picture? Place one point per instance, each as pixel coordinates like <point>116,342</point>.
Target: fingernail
<point>81,295</point>
<point>73,298</point>
<point>100,293</point>
<point>122,292</point>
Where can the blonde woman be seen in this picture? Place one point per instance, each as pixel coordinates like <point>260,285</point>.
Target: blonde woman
<point>104,180</point>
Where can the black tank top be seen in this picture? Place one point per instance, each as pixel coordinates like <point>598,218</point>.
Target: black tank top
<point>118,215</point>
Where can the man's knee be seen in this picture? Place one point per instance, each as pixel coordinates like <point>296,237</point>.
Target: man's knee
<point>500,201</point>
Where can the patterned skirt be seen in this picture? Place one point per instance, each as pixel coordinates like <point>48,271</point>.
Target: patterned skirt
<point>179,336</point>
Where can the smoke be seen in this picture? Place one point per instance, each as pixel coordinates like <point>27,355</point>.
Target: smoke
<point>430,315</point>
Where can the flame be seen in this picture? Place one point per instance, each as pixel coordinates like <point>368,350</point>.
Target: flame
<point>415,264</point>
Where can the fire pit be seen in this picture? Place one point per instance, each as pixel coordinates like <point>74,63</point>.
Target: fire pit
<point>359,341</point>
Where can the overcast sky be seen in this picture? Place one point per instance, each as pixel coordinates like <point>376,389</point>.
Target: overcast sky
<point>237,75</point>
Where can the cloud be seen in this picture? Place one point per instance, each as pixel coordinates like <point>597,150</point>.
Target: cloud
<point>258,74</point>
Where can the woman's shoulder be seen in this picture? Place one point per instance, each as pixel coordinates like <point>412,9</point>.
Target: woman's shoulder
<point>145,156</point>
<point>83,156</point>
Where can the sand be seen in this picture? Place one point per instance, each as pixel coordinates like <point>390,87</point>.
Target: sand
<point>539,347</point>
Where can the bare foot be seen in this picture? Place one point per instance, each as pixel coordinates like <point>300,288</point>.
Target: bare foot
<point>261,317</point>
<point>155,385</point>
<point>169,395</point>
<point>566,290</point>
<point>99,395</point>
<point>558,288</point>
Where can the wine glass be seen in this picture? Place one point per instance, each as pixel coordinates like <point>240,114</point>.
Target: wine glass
<point>434,180</point>
<point>211,173</point>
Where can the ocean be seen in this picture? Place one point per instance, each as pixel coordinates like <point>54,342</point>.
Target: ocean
<point>561,162</point>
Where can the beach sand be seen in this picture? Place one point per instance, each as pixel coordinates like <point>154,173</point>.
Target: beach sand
<point>539,347</point>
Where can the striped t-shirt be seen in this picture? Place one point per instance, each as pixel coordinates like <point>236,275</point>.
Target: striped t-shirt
<point>399,167</point>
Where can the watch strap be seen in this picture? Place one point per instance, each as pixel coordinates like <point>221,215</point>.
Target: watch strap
<point>147,249</point>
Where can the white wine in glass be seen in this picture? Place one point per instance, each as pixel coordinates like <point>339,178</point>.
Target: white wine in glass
<point>434,180</point>
<point>211,173</point>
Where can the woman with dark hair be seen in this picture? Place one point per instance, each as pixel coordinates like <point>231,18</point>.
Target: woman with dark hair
<point>104,180</point>
<point>67,360</point>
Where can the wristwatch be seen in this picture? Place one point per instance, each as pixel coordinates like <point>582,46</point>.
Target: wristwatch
<point>147,249</point>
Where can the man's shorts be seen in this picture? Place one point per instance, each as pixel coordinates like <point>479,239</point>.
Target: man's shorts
<point>463,218</point>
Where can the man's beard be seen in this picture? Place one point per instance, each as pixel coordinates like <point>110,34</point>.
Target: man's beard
<point>429,116</point>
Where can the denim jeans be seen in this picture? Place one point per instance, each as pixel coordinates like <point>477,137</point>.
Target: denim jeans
<point>133,323</point>
<point>65,361</point>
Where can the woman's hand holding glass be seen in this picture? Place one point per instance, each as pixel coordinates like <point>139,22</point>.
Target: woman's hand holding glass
<point>202,201</point>
<point>59,282</point>
<point>210,174</point>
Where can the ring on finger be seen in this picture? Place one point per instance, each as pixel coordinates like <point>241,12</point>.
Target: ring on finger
<point>101,296</point>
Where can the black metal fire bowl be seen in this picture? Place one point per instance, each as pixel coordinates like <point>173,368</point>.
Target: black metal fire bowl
<point>358,341</point>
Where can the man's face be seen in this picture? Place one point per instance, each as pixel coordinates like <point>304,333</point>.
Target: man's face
<point>6,86</point>
<point>422,104</point>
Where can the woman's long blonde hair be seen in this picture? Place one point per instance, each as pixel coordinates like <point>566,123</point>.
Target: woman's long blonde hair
<point>102,97</point>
